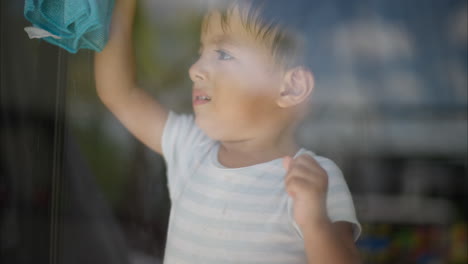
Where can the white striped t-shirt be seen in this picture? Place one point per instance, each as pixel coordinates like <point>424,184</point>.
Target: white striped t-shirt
<point>240,215</point>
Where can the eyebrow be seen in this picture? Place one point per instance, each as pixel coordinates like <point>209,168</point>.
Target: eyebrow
<point>224,39</point>
<point>221,40</point>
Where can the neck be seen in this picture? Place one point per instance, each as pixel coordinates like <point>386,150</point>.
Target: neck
<point>236,154</point>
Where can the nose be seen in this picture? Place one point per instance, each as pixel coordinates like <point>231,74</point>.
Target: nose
<point>198,71</point>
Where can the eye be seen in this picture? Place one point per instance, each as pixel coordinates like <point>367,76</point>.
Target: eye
<point>222,55</point>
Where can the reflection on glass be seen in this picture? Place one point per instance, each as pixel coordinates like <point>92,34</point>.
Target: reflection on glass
<point>389,107</point>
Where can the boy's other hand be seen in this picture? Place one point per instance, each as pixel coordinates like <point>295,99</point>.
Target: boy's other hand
<point>306,182</point>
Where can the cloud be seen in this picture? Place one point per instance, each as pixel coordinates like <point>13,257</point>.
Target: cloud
<point>403,87</point>
<point>396,86</point>
<point>343,89</point>
<point>458,27</point>
<point>372,39</point>
<point>455,76</point>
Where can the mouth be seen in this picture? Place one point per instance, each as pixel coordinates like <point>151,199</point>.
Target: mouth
<point>200,97</point>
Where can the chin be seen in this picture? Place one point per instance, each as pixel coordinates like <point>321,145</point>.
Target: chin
<point>213,130</point>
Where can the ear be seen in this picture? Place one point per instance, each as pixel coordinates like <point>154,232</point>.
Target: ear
<point>297,86</point>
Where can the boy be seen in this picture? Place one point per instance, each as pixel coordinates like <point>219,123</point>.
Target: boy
<point>242,190</point>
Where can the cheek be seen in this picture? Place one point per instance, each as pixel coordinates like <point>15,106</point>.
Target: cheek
<point>246,113</point>
<point>244,95</point>
<point>248,82</point>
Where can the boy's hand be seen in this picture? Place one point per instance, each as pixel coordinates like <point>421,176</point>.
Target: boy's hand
<point>306,183</point>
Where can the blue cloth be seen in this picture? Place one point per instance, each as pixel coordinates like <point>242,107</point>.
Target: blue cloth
<point>81,24</point>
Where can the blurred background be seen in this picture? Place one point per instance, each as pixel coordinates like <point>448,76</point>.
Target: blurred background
<point>390,108</point>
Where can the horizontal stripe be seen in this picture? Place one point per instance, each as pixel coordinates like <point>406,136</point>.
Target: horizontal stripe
<point>239,206</point>
<point>222,184</point>
<point>282,236</point>
<point>228,195</point>
<point>234,215</point>
<point>242,224</point>
<point>217,239</point>
<point>200,254</point>
<point>176,256</point>
<point>244,175</point>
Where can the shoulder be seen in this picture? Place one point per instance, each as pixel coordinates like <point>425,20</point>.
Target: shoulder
<point>327,164</point>
<point>183,128</point>
<point>182,137</point>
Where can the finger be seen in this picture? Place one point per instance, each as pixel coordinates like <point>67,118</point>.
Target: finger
<point>287,162</point>
<point>307,161</point>
<point>295,186</point>
<point>302,172</point>
<point>310,163</point>
<point>298,186</point>
<point>298,170</point>
<point>302,175</point>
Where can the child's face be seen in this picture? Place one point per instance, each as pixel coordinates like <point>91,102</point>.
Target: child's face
<point>236,82</point>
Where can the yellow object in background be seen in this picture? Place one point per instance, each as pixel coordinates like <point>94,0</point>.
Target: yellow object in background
<point>459,244</point>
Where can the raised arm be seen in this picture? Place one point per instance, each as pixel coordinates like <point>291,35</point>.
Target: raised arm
<point>116,82</point>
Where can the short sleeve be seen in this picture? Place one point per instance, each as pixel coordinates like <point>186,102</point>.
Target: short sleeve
<point>339,202</point>
<point>340,206</point>
<point>179,142</point>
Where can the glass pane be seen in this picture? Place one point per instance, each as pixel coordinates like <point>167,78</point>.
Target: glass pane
<point>389,107</point>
